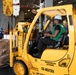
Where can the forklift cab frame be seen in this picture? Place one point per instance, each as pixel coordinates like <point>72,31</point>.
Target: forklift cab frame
<point>52,61</point>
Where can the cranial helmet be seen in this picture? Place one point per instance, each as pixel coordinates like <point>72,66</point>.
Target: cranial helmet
<point>58,17</point>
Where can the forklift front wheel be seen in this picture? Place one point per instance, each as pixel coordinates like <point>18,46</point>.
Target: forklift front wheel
<point>20,68</point>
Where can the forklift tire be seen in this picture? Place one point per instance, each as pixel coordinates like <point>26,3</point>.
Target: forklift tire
<point>20,68</point>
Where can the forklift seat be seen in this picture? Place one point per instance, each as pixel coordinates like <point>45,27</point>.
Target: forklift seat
<point>59,43</point>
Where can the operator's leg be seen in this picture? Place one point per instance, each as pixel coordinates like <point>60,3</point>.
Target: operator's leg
<point>31,49</point>
<point>39,35</point>
<point>43,42</point>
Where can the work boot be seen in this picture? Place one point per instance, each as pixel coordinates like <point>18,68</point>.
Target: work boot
<point>37,55</point>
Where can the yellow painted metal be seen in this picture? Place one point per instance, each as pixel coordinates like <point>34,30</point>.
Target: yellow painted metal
<point>72,66</point>
<point>53,61</point>
<point>11,54</point>
<point>54,12</point>
<point>47,23</point>
<point>74,19</point>
<point>7,7</point>
<point>72,70</point>
<point>53,55</point>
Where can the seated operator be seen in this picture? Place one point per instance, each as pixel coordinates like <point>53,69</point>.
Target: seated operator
<point>57,31</point>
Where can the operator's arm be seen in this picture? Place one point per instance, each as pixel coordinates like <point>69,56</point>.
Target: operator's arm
<point>57,29</point>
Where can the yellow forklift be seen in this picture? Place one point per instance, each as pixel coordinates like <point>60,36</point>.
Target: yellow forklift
<point>53,61</point>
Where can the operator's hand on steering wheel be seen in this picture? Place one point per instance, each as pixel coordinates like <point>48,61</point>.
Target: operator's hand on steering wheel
<point>46,34</point>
